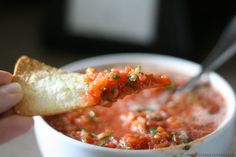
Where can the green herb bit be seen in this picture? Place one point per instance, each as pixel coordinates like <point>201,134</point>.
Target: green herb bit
<point>110,134</point>
<point>86,87</point>
<point>72,88</point>
<point>137,70</point>
<point>133,77</point>
<point>104,135</point>
<point>67,88</point>
<point>93,134</point>
<point>186,145</point>
<point>74,79</point>
<point>89,132</point>
<point>61,79</point>
<point>171,87</point>
<point>153,131</point>
<point>83,138</point>
<point>107,70</point>
<point>102,142</point>
<point>157,135</point>
<point>112,90</point>
<point>185,142</point>
<point>150,110</point>
<point>115,77</point>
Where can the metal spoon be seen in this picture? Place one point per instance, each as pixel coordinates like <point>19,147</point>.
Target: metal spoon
<point>224,49</point>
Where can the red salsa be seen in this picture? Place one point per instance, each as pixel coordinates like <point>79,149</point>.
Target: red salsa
<point>109,85</point>
<point>144,121</point>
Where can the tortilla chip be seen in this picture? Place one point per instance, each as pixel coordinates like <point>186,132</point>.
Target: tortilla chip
<point>47,90</point>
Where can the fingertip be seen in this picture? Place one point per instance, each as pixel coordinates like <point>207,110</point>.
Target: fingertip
<point>5,77</point>
<point>29,120</point>
<point>10,95</point>
<point>7,101</point>
<point>12,88</point>
<point>25,123</point>
<point>14,126</point>
<point>16,98</point>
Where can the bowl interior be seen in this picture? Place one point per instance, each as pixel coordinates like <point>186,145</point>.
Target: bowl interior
<point>153,62</point>
<point>156,62</point>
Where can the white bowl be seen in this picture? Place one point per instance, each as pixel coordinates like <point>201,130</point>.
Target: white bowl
<point>54,144</point>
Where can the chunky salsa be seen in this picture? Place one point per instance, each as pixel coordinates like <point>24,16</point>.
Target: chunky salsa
<point>109,85</point>
<point>145,120</point>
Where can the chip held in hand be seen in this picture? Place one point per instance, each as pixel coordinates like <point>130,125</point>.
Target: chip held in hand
<point>49,91</point>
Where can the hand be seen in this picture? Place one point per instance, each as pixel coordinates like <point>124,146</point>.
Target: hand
<point>11,125</point>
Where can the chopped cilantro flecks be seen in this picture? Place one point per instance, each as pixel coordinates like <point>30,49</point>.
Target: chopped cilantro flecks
<point>185,142</point>
<point>107,70</point>
<point>115,77</point>
<point>137,70</point>
<point>152,130</point>
<point>113,90</point>
<point>186,145</point>
<point>102,142</point>
<point>83,131</point>
<point>66,88</point>
<point>171,87</point>
<point>70,88</point>
<point>150,110</point>
<point>133,77</point>
<point>86,87</point>
<point>110,134</point>
<point>104,135</point>
<point>104,139</point>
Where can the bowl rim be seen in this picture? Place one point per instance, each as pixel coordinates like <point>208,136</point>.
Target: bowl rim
<point>122,57</point>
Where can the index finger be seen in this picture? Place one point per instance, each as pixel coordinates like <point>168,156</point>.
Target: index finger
<point>5,77</point>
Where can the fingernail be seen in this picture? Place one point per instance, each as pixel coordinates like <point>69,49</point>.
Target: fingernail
<point>11,88</point>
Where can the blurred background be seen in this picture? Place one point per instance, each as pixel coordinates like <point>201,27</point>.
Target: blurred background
<point>61,31</point>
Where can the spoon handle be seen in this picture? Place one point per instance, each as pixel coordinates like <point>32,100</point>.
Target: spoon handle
<point>218,55</point>
<point>227,38</point>
<point>222,58</point>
